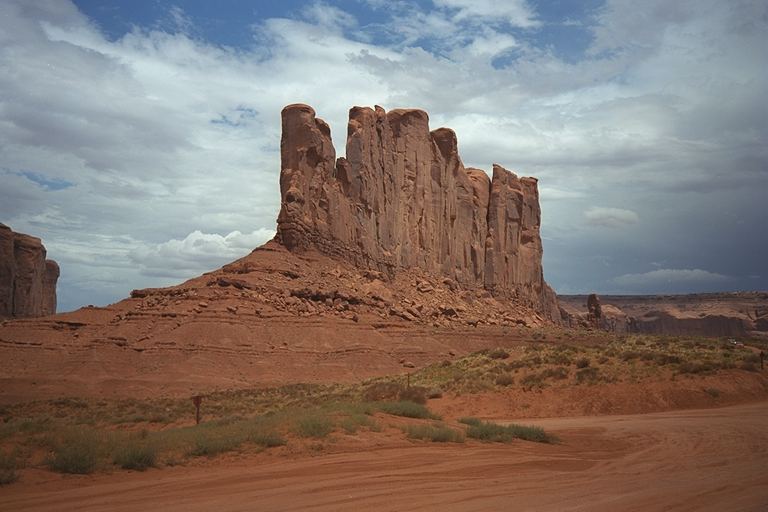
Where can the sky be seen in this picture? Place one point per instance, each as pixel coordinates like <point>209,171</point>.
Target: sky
<point>140,139</point>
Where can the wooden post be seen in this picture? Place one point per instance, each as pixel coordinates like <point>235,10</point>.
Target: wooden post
<point>409,380</point>
<point>197,400</point>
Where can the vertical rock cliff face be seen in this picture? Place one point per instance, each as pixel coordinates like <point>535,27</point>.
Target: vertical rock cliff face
<point>402,199</point>
<point>27,279</point>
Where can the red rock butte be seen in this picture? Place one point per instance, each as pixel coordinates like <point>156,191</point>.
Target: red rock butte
<point>27,279</point>
<point>402,199</point>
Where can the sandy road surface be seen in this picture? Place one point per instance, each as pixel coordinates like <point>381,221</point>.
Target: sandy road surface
<point>715,459</point>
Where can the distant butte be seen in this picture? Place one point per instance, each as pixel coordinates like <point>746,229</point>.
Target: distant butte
<point>402,199</point>
<point>27,279</point>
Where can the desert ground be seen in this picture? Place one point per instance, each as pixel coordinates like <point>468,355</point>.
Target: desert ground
<point>703,459</point>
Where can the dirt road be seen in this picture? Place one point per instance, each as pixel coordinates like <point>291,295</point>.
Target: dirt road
<point>715,459</point>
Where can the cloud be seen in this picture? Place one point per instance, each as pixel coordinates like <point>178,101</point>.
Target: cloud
<point>610,217</point>
<point>197,253</point>
<point>515,12</point>
<point>667,276</point>
<point>113,147</point>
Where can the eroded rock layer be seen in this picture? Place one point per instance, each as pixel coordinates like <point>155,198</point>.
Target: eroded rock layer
<point>402,199</point>
<point>27,279</point>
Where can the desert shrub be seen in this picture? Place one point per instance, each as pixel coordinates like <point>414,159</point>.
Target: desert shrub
<point>751,358</point>
<point>495,433</point>
<point>750,367</point>
<point>406,409</point>
<point>559,357</point>
<point>629,355</point>
<point>208,443</point>
<point>582,362</point>
<point>587,375</point>
<point>498,353</point>
<point>469,420</point>
<point>664,359</point>
<point>532,380</point>
<point>713,392</point>
<point>77,452</point>
<point>267,439</point>
<point>505,379</point>
<point>434,433</point>
<point>434,393</point>
<point>315,425</point>
<point>416,394</point>
<point>696,367</point>
<point>380,391</point>
<point>557,373</point>
<point>8,468</point>
<point>602,360</point>
<point>135,454</point>
<point>354,421</point>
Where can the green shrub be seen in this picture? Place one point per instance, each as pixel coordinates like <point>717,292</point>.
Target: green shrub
<point>381,391</point>
<point>407,409</point>
<point>416,394</point>
<point>696,367</point>
<point>8,468</point>
<point>750,367</point>
<point>587,375</point>
<point>469,420</point>
<point>582,362</point>
<point>434,393</point>
<point>628,355</point>
<point>498,353</point>
<point>353,422</point>
<point>495,433</point>
<point>751,358</point>
<point>135,454</point>
<point>434,433</point>
<point>505,379</point>
<point>315,425</point>
<point>664,359</point>
<point>267,439</point>
<point>77,452</point>
<point>208,443</point>
<point>558,373</point>
<point>531,381</point>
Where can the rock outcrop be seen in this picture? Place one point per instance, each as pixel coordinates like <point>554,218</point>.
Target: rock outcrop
<point>402,199</point>
<point>27,279</point>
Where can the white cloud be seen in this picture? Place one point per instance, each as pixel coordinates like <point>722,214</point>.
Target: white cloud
<point>163,133</point>
<point>196,253</point>
<point>610,217</point>
<point>666,276</point>
<point>515,12</point>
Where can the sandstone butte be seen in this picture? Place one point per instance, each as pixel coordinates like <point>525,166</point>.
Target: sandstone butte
<point>395,254</point>
<point>27,279</point>
<point>402,199</point>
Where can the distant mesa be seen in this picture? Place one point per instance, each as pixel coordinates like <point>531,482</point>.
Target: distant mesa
<point>27,279</point>
<point>402,199</point>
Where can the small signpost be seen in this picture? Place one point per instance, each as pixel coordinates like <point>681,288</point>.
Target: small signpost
<point>197,400</point>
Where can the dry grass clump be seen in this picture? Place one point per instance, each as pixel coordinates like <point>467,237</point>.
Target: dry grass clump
<point>76,452</point>
<point>407,410</point>
<point>495,433</point>
<point>434,433</point>
<point>8,468</point>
